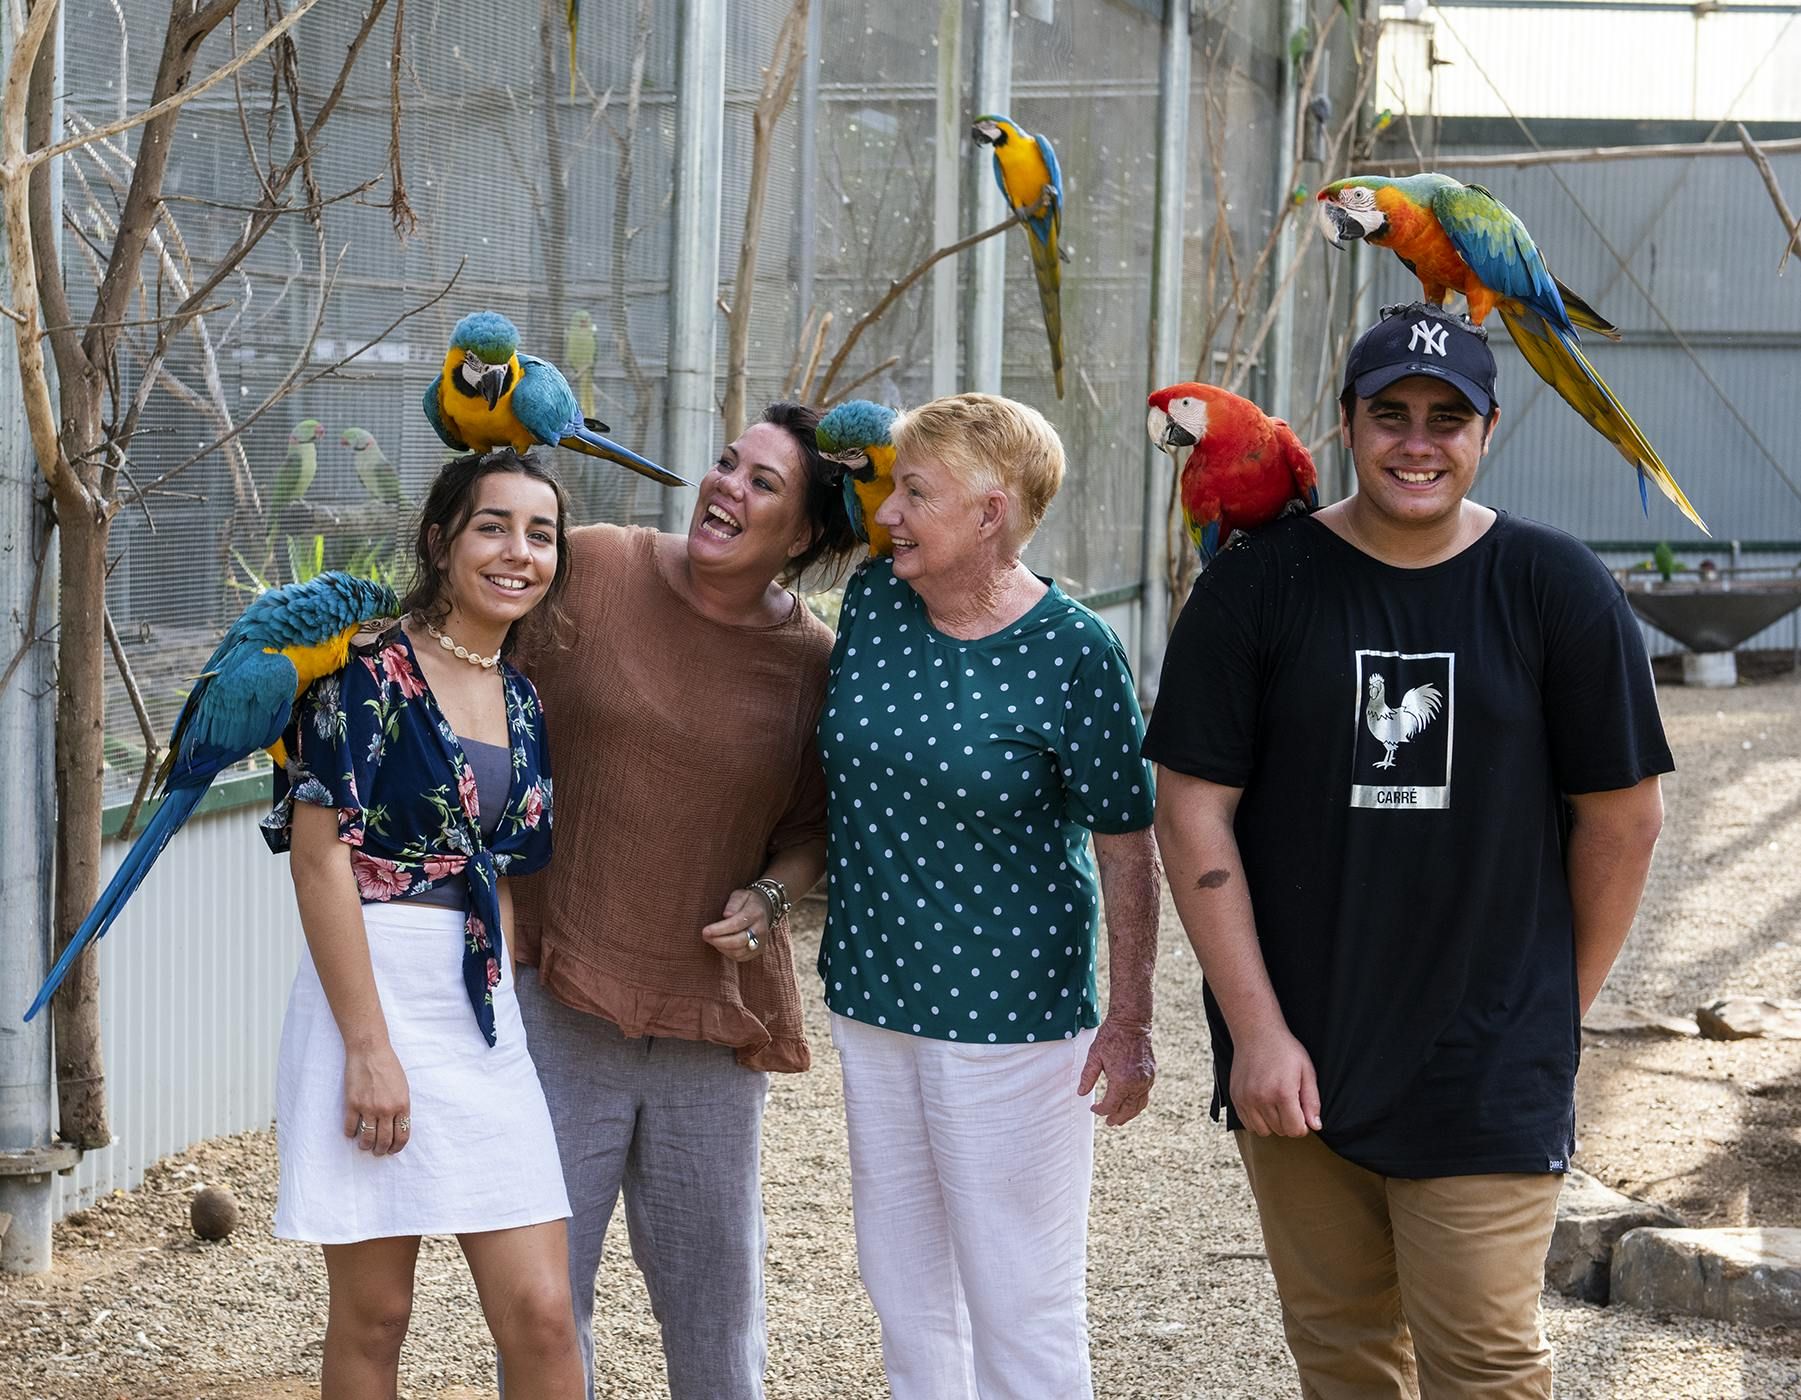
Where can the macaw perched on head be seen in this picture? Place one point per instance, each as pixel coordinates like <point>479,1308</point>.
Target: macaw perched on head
<point>855,434</point>
<point>1460,238</point>
<point>371,465</point>
<point>488,395</point>
<point>1239,467</point>
<point>1025,167</point>
<point>284,641</point>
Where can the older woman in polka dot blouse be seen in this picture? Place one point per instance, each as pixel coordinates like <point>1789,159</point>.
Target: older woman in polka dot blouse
<point>980,724</point>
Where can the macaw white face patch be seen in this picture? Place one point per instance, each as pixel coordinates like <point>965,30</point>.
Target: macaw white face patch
<point>1401,747</point>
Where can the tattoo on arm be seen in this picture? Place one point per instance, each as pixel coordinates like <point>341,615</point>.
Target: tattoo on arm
<point>1212,880</point>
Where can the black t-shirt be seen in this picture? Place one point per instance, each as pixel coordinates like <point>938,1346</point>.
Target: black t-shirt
<point>1405,739</point>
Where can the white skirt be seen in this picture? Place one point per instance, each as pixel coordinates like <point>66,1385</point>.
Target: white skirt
<point>481,1155</point>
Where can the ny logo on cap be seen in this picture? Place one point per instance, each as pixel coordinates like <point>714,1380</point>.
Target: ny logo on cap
<point>1429,337</point>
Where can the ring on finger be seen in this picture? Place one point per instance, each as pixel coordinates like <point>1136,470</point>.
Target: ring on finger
<point>364,1126</point>
<point>751,940</point>
<point>403,1125</point>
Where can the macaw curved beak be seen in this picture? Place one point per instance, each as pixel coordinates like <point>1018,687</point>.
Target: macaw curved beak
<point>1339,226</point>
<point>492,384</point>
<point>987,133</point>
<point>855,461</point>
<point>1167,435</point>
<point>1175,435</point>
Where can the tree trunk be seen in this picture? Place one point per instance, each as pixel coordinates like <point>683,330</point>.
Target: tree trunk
<point>80,728</point>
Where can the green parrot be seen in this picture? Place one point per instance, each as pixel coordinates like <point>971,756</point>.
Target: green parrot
<point>580,349</point>
<point>372,466</point>
<point>295,475</point>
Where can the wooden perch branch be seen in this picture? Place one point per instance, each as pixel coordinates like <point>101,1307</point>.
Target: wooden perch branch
<point>1589,155</point>
<point>895,288</point>
<point>1775,188</point>
<point>152,749</point>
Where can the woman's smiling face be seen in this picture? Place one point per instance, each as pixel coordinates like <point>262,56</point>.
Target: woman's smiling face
<point>933,516</point>
<point>752,509</point>
<point>504,558</point>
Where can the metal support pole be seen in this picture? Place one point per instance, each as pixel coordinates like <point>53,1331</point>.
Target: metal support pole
<point>949,163</point>
<point>1166,332</point>
<point>694,261</point>
<point>994,93</point>
<point>807,213</point>
<point>1281,356</point>
<point>28,1153</point>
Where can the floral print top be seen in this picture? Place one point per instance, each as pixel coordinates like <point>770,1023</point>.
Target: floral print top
<point>370,741</point>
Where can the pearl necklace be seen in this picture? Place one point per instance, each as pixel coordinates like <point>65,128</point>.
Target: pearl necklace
<point>462,653</point>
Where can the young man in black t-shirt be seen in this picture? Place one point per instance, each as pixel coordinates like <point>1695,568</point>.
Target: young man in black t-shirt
<point>1410,753</point>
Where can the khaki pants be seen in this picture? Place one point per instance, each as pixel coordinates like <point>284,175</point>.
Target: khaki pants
<point>1392,1286</point>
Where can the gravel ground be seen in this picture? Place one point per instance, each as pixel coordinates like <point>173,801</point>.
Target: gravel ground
<point>1182,1303</point>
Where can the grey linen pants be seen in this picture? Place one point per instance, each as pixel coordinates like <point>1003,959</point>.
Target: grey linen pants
<point>675,1125</point>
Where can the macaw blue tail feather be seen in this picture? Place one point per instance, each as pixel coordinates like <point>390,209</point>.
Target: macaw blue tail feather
<point>581,438</point>
<point>1644,493</point>
<point>175,809</point>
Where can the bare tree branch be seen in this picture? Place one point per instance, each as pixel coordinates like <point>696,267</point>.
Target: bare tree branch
<point>152,749</point>
<point>291,388</point>
<point>1774,186</point>
<point>202,23</point>
<point>894,291</point>
<point>783,72</point>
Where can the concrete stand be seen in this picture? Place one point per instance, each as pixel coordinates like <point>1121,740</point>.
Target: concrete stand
<point>1714,670</point>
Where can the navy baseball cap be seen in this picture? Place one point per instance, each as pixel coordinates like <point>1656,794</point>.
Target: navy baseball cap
<point>1421,339</point>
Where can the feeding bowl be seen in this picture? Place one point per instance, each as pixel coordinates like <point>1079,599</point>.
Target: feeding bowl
<point>1713,613</point>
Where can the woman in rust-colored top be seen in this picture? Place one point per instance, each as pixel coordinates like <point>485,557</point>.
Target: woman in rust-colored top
<point>690,810</point>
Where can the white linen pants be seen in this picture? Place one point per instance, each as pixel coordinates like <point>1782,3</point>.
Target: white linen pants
<point>970,1168</point>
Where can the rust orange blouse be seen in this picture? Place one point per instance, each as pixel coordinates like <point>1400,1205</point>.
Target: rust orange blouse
<point>684,754</point>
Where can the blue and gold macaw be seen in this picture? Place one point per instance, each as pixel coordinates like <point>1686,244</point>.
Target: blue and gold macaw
<point>855,434</point>
<point>488,395</point>
<point>284,641</point>
<point>1025,167</point>
<point>1460,238</point>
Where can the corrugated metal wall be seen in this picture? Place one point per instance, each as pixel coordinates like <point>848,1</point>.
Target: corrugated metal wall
<point>1681,254</point>
<point>193,981</point>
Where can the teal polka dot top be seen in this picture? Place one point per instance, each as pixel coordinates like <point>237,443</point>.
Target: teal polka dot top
<point>963,779</point>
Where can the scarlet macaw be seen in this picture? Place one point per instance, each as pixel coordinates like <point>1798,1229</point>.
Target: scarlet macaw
<point>1025,167</point>
<point>1239,467</point>
<point>488,395</point>
<point>1460,238</point>
<point>284,641</point>
<point>855,433</point>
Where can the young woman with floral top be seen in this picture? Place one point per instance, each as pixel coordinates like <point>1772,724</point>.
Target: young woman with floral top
<point>407,1102</point>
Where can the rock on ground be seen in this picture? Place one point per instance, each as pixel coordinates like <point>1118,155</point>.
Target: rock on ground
<point>1591,1217</point>
<point>1748,1275</point>
<point>1750,1018</point>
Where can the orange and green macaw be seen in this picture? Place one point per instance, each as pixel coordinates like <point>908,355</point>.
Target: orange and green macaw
<point>1025,167</point>
<point>1460,238</point>
<point>241,702</point>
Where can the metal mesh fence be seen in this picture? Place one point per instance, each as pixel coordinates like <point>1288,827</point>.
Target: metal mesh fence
<point>558,209</point>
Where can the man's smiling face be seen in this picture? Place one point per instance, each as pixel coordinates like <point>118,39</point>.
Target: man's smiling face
<point>1417,445</point>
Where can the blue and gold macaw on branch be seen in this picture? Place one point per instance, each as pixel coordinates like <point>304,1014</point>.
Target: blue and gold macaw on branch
<point>855,435</point>
<point>284,641</point>
<point>1025,167</point>
<point>488,395</point>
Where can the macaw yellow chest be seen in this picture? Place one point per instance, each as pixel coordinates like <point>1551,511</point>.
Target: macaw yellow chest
<point>1024,172</point>
<point>319,659</point>
<point>469,416</point>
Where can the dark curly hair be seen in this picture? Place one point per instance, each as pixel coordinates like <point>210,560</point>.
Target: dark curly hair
<point>445,515</point>
<point>834,542</point>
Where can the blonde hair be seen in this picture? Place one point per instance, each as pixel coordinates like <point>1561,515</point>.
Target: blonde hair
<point>990,444</point>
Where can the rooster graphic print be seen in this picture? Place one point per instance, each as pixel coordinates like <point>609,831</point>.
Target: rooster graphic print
<point>1405,706</point>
